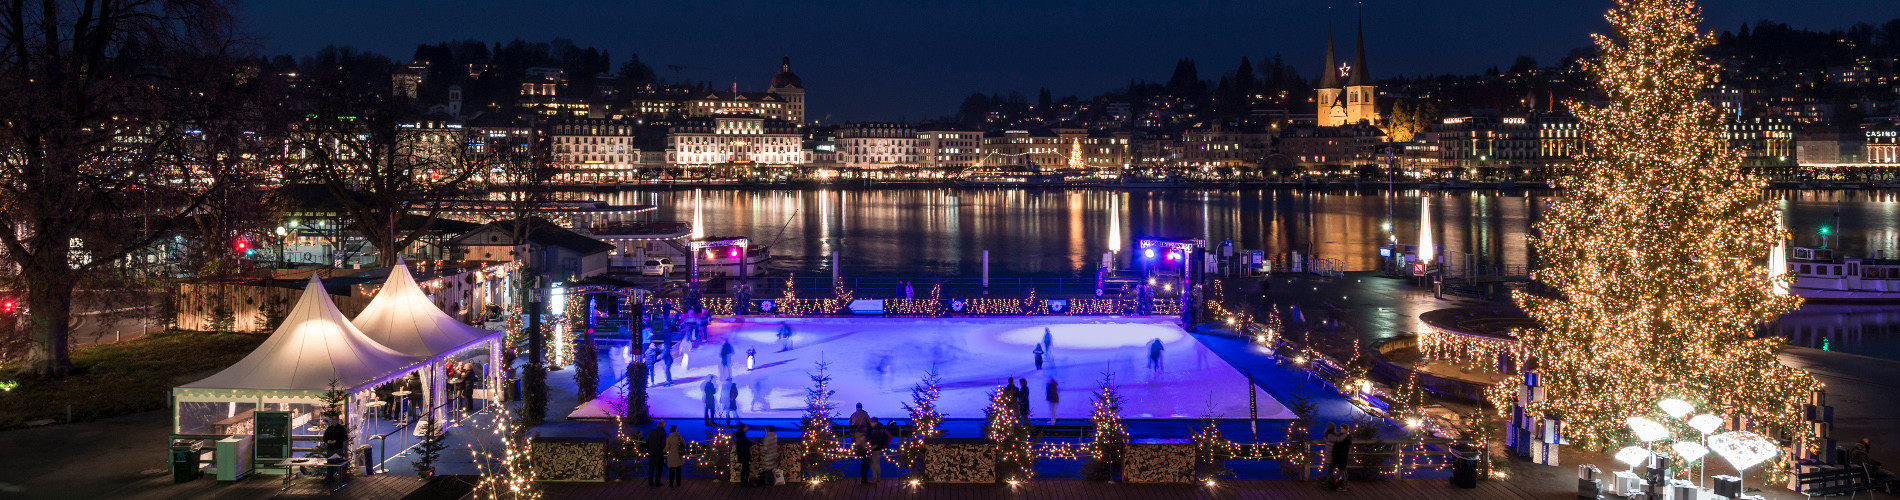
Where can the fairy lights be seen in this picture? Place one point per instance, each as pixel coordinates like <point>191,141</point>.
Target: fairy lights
<point>1653,253</point>
<point>1015,451</point>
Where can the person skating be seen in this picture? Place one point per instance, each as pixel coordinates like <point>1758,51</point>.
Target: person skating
<point>742,448</point>
<point>1038,356</point>
<point>710,394</point>
<point>667,357</point>
<point>675,455</point>
<point>732,401</point>
<point>725,360</point>
<point>1154,354</point>
<point>656,453</point>
<point>785,337</point>
<point>1048,340</point>
<point>1050,392</point>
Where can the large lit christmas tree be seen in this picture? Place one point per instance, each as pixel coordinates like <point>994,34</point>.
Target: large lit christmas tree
<point>1655,251</point>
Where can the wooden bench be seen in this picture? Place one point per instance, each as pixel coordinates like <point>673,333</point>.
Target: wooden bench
<point>1836,481</point>
<point>1065,431</point>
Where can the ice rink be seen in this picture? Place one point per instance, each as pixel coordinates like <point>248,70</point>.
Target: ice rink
<point>875,361</point>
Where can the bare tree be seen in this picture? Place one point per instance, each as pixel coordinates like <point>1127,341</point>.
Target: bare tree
<point>108,108</point>
<point>381,156</point>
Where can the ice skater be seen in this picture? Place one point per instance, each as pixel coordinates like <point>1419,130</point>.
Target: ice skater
<point>1048,341</point>
<point>1154,354</point>
<point>751,358</point>
<point>758,401</point>
<point>1050,393</point>
<point>1038,356</point>
<point>667,359</point>
<point>710,394</point>
<point>732,401</point>
<point>725,360</point>
<point>784,337</point>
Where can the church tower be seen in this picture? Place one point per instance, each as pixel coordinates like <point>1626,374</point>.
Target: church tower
<point>1360,94</point>
<point>787,86</point>
<point>1329,111</point>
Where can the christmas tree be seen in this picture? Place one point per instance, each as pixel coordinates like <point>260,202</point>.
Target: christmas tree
<point>821,445</point>
<point>1110,436</point>
<point>924,419</point>
<point>1015,452</point>
<point>1654,253</point>
<point>507,473</point>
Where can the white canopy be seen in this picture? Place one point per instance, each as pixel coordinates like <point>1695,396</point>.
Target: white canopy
<point>313,348</point>
<point>403,318</point>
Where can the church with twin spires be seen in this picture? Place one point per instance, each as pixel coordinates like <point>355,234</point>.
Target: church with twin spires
<point>1352,103</point>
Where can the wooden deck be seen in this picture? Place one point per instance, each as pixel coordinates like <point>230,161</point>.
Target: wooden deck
<point>378,487</point>
<point>1050,489</point>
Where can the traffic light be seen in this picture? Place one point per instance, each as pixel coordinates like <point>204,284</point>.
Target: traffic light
<point>7,307</point>
<point>244,247</point>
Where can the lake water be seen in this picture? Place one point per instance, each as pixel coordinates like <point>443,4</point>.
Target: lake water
<point>943,231</point>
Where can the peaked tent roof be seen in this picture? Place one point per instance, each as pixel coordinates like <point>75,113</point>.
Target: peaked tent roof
<point>403,318</point>
<point>314,346</point>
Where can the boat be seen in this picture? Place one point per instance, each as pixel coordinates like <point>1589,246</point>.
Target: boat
<point>1884,184</point>
<point>1031,176</point>
<point>1823,276</point>
<point>1147,182</point>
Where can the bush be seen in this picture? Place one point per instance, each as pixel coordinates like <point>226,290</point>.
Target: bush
<point>122,378</point>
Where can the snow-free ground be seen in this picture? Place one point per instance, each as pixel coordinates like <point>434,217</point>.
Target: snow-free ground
<point>876,361</point>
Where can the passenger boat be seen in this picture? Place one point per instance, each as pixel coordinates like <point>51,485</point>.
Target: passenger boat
<point>1026,177</point>
<point>1822,276</point>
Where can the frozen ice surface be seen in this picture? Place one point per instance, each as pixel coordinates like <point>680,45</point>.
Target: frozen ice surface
<point>876,360</point>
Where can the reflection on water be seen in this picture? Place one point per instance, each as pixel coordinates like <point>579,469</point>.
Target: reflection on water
<point>1866,330</point>
<point>938,231</point>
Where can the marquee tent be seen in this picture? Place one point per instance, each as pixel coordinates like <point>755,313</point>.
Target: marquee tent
<point>314,351</point>
<point>403,318</point>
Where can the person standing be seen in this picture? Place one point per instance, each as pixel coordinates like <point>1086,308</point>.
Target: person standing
<point>871,465</point>
<point>1050,393</point>
<point>1009,393</point>
<point>710,394</point>
<point>1038,356</point>
<point>860,425</point>
<point>336,446</point>
<point>1022,399</point>
<point>732,401</point>
<point>656,453</point>
<point>768,455</point>
<point>675,455</point>
<point>742,447</point>
<point>1341,456</point>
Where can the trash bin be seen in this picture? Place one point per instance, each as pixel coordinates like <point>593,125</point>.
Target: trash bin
<point>1464,470</point>
<point>185,461</point>
<point>367,456</point>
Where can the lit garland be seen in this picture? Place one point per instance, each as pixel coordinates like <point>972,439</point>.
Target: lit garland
<point>1167,307</point>
<point>1097,306</point>
<point>984,306</point>
<point>1015,452</point>
<point>1470,351</point>
<point>932,306</point>
<point>718,306</point>
<point>1655,252</point>
<point>790,305</point>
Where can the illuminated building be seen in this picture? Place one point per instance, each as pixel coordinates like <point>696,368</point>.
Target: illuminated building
<point>1355,102</point>
<point>874,146</point>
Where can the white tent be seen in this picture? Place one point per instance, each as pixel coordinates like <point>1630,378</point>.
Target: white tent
<point>403,318</point>
<point>315,350</point>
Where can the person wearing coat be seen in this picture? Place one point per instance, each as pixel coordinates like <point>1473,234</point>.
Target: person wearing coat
<point>742,449</point>
<point>656,453</point>
<point>768,454</point>
<point>675,455</point>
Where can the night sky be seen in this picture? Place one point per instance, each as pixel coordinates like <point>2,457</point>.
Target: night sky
<point>917,60</point>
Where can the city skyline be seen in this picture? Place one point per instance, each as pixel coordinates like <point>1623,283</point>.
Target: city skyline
<point>927,70</point>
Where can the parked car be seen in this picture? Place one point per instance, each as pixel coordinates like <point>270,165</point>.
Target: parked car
<point>657,267</point>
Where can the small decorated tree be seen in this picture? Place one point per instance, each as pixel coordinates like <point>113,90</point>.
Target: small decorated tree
<point>821,445</point>
<point>586,367</point>
<point>1299,435</point>
<point>534,383</point>
<point>430,448</point>
<point>635,409</point>
<point>1211,450</point>
<point>1105,454</point>
<point>1015,452</point>
<point>924,419</point>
